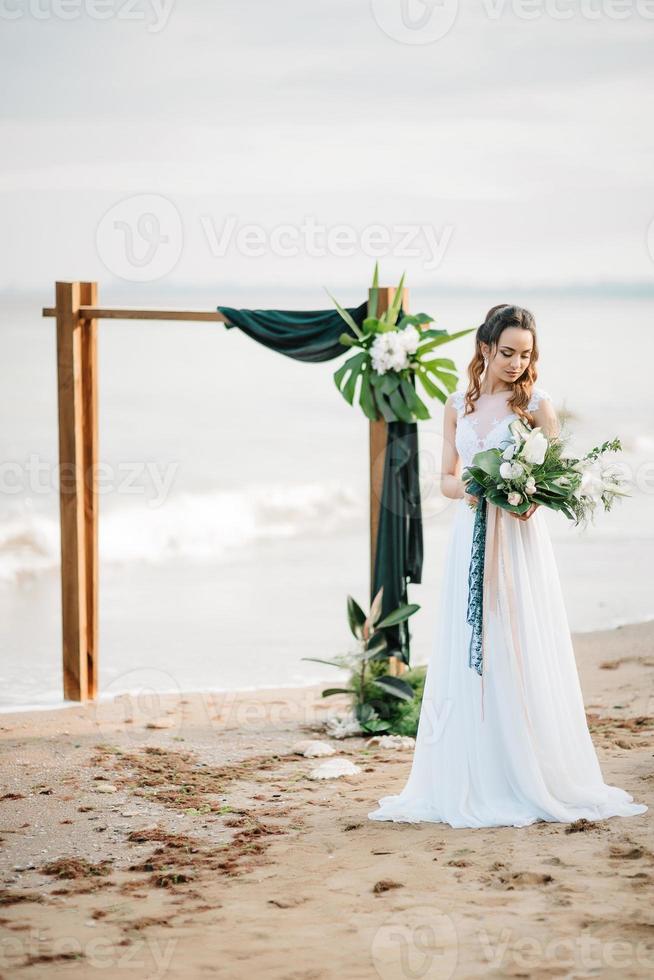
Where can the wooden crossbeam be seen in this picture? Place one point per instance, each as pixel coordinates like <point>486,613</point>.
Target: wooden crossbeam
<point>92,312</point>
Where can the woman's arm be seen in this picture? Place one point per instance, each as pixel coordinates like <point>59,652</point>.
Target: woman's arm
<point>452,485</point>
<point>545,416</point>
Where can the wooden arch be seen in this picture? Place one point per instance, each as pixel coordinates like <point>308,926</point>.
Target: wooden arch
<point>77,313</point>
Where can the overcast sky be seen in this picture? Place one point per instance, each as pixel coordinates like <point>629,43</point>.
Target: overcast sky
<point>221,142</point>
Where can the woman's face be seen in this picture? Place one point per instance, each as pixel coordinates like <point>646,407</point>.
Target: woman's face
<point>512,355</point>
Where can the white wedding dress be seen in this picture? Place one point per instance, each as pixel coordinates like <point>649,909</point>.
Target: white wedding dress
<point>521,750</point>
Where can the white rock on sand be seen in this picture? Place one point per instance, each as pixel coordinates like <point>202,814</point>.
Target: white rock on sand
<point>392,741</point>
<point>334,768</point>
<point>313,748</point>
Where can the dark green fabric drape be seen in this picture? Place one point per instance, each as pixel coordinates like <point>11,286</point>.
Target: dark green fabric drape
<point>399,537</point>
<point>306,335</point>
<point>312,336</point>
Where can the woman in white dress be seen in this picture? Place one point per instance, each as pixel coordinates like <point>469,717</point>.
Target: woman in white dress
<point>511,746</point>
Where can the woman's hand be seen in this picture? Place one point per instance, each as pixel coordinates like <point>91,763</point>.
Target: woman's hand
<point>470,499</point>
<point>527,514</point>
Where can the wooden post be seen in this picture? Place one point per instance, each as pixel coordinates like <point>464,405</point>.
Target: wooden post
<point>77,397</point>
<point>378,438</point>
<point>89,297</point>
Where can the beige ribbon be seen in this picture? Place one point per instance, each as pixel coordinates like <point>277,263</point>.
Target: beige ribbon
<point>499,591</point>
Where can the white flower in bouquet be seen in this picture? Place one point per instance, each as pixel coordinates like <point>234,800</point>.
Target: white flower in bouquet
<point>612,479</point>
<point>409,338</point>
<point>509,452</point>
<point>511,471</point>
<point>592,485</point>
<point>514,498</point>
<point>534,448</point>
<point>530,485</point>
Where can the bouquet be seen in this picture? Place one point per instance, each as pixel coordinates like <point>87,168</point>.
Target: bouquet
<point>393,351</point>
<point>532,468</point>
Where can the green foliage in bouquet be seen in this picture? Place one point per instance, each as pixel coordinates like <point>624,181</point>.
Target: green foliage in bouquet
<point>532,468</point>
<point>381,702</point>
<point>393,352</point>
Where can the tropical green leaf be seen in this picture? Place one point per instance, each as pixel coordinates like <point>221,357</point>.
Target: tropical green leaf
<point>443,339</point>
<point>400,407</point>
<point>416,405</point>
<point>367,398</point>
<point>331,663</point>
<point>389,383</point>
<point>337,690</point>
<point>354,365</point>
<point>346,316</point>
<point>446,378</point>
<point>373,295</point>
<point>356,617</point>
<point>394,308</point>
<point>383,406</point>
<point>376,606</point>
<point>375,726</point>
<point>432,390</point>
<point>440,362</point>
<point>377,644</point>
<point>416,320</point>
<point>488,462</point>
<point>393,685</point>
<point>398,615</point>
<point>350,386</point>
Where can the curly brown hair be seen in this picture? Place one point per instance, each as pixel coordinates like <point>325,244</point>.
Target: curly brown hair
<point>497,319</point>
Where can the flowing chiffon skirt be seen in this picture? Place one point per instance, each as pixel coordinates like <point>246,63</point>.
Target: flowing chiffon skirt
<point>522,752</point>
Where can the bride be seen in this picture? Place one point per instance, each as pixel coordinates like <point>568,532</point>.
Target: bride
<point>511,746</point>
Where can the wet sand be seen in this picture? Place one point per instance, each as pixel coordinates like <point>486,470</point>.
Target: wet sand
<point>184,837</point>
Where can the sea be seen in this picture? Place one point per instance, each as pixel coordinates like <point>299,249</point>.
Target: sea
<point>234,488</point>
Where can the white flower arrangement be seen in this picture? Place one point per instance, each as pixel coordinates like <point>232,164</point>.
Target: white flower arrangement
<point>394,353</point>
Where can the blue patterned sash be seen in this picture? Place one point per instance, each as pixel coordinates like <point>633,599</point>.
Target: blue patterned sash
<point>475,613</point>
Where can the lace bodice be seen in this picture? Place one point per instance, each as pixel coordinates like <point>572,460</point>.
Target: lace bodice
<point>488,426</point>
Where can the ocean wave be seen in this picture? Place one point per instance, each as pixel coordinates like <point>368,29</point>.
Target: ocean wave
<point>196,526</point>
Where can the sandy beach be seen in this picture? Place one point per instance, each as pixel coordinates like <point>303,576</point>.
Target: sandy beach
<point>184,838</point>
